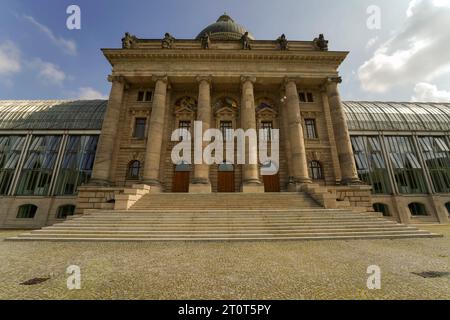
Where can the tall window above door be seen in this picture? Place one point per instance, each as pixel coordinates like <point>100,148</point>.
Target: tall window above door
<point>186,127</point>
<point>226,128</point>
<point>139,128</point>
<point>266,127</point>
<point>311,132</point>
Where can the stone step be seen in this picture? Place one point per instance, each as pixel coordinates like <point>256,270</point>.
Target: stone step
<point>218,223</point>
<point>263,238</point>
<point>226,231</point>
<point>214,229</point>
<point>224,217</point>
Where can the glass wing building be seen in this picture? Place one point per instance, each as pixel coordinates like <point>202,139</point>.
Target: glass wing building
<point>403,151</point>
<point>47,150</point>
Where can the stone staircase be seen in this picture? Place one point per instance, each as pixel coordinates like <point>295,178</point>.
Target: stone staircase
<point>224,217</point>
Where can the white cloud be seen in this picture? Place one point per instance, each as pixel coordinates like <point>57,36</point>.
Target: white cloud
<point>371,42</point>
<point>68,46</point>
<point>426,92</point>
<point>88,93</point>
<point>9,59</point>
<point>48,72</point>
<point>418,52</point>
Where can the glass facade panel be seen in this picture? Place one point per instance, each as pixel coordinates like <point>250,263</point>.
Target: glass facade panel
<point>37,171</point>
<point>371,164</point>
<point>10,150</point>
<point>77,163</point>
<point>407,169</point>
<point>436,154</point>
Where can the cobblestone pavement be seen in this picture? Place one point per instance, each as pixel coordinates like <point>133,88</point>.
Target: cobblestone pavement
<point>236,270</point>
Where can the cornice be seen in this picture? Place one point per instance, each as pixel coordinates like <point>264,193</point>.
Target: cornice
<point>330,57</point>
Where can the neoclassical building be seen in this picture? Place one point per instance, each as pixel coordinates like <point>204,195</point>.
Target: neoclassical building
<point>58,158</point>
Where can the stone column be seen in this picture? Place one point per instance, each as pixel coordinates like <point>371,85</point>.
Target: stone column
<point>250,174</point>
<point>330,132</point>
<point>342,137</point>
<point>155,134</point>
<point>296,137</point>
<point>201,182</point>
<point>101,172</point>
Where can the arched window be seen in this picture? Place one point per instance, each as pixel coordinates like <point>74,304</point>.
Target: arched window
<point>417,209</point>
<point>383,208</point>
<point>27,211</point>
<point>64,211</point>
<point>315,170</point>
<point>134,169</point>
<point>447,205</point>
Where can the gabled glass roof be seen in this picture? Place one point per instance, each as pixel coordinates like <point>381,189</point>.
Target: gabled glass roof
<point>52,114</point>
<point>397,116</point>
<point>88,115</point>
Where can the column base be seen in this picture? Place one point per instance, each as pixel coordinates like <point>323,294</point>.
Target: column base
<point>200,188</point>
<point>351,182</point>
<point>252,187</point>
<point>155,185</point>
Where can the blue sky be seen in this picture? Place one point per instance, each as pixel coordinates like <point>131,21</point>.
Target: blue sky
<point>41,59</point>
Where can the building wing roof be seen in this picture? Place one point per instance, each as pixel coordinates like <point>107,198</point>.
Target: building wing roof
<point>52,114</point>
<point>89,114</point>
<point>397,116</point>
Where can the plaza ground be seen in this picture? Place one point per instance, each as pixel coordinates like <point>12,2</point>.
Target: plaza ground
<point>227,270</point>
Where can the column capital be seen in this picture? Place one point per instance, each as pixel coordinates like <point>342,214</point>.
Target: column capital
<point>120,79</point>
<point>164,78</point>
<point>207,78</point>
<point>245,79</point>
<point>336,80</point>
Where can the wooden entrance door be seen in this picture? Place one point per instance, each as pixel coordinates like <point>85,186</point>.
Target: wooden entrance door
<point>225,181</point>
<point>272,183</point>
<point>181,181</point>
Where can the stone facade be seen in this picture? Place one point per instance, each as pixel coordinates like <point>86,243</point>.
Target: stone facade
<point>158,85</point>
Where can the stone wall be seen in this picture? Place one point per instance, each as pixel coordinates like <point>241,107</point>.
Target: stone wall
<point>93,197</point>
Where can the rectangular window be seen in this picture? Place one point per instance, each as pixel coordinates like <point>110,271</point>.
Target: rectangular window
<point>311,132</point>
<point>371,164</point>
<point>226,128</point>
<point>145,96</point>
<point>37,171</point>
<point>139,128</point>
<point>306,97</point>
<point>408,172</point>
<point>266,127</point>
<point>77,163</point>
<point>436,154</point>
<point>186,127</point>
<point>302,96</point>
<point>10,150</point>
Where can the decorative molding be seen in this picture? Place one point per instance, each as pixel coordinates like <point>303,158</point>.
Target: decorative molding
<point>245,79</point>
<point>164,78</point>
<point>337,80</point>
<point>314,57</point>
<point>207,78</point>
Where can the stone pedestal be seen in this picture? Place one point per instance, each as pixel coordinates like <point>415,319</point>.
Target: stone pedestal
<point>155,134</point>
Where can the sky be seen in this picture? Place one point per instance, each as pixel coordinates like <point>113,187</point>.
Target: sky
<point>399,50</point>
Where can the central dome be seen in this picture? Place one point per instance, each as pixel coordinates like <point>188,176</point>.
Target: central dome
<point>225,29</point>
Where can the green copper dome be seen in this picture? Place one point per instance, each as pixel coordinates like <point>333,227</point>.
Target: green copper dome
<point>225,29</point>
